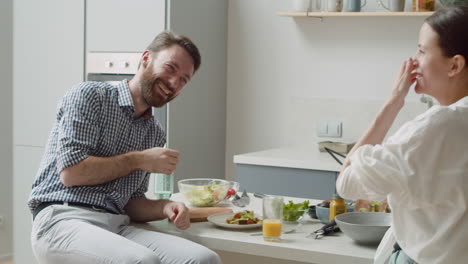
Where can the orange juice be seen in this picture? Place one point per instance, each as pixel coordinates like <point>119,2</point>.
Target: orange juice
<point>272,229</point>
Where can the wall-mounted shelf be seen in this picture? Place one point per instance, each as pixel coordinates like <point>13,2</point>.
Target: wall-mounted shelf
<point>354,14</point>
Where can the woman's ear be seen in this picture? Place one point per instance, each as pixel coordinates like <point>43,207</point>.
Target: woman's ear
<point>457,64</point>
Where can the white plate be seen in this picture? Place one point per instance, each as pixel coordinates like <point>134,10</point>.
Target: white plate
<point>220,220</point>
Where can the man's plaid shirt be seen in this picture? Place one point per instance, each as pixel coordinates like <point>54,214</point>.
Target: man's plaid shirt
<point>95,119</point>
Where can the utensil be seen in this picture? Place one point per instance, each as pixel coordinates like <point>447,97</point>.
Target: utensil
<point>259,195</point>
<point>329,228</point>
<point>241,201</point>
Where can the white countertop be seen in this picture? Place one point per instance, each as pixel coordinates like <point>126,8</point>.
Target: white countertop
<point>299,158</point>
<point>329,249</point>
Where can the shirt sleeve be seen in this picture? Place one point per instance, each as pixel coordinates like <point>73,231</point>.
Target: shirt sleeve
<point>78,126</point>
<point>140,192</point>
<point>412,163</point>
<point>374,172</point>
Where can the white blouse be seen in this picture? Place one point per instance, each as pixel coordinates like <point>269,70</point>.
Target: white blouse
<point>423,172</point>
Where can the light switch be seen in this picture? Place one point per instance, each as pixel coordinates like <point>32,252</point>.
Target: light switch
<point>322,130</point>
<point>334,128</point>
<point>327,128</point>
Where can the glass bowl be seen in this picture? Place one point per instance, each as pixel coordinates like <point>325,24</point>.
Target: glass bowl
<point>206,192</point>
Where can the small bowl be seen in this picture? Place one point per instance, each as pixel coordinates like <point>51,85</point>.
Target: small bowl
<point>291,216</point>
<point>364,228</point>
<point>323,214</point>
<point>205,192</point>
<point>312,212</point>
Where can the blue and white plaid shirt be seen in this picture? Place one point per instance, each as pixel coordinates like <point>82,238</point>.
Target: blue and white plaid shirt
<point>95,119</point>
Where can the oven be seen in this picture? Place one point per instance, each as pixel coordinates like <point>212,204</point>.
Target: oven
<point>114,67</point>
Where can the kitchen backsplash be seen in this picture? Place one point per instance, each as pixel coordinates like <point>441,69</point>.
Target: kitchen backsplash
<point>356,116</point>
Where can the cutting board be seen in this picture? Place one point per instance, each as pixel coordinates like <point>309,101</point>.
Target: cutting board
<point>201,214</point>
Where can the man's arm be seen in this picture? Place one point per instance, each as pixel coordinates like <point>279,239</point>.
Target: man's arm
<point>98,170</point>
<point>143,210</point>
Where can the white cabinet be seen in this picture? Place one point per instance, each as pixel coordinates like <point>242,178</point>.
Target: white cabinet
<point>48,60</point>
<point>122,25</point>
<point>26,163</point>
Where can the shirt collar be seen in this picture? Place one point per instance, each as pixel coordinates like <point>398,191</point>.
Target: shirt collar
<point>125,98</point>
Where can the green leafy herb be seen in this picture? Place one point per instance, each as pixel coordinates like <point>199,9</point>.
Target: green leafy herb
<point>292,211</point>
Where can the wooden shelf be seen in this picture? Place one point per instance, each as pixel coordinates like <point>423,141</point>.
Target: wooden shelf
<point>354,14</point>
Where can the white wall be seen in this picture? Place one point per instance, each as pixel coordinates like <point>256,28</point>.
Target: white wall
<point>6,128</point>
<point>285,74</point>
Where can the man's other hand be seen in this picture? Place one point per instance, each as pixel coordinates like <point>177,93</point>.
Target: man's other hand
<point>178,214</point>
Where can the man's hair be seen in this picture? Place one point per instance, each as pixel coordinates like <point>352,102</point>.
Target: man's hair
<point>166,39</point>
<point>451,24</point>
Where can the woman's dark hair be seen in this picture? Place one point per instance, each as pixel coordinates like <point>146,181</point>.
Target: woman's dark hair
<point>166,39</point>
<point>451,24</point>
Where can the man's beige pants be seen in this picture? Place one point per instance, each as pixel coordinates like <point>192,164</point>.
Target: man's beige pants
<point>68,234</point>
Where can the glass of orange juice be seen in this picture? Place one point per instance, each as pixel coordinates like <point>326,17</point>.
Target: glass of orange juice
<point>272,217</point>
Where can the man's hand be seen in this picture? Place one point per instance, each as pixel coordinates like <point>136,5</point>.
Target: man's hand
<point>159,160</point>
<point>178,214</point>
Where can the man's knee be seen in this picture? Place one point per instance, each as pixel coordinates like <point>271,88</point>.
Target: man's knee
<point>148,257</point>
<point>207,256</point>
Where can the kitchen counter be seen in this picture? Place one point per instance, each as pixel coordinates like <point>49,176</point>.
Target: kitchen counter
<point>307,172</point>
<point>293,247</point>
<point>298,157</point>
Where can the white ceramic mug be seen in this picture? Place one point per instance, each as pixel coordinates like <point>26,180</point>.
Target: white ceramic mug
<point>301,5</point>
<point>394,5</point>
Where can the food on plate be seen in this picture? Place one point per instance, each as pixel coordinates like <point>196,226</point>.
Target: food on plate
<point>243,218</point>
<point>292,211</point>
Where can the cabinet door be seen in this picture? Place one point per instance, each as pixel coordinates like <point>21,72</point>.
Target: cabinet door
<point>122,25</point>
<point>48,60</point>
<point>26,164</point>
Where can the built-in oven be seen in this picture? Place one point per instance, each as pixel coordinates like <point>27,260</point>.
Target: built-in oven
<point>114,67</point>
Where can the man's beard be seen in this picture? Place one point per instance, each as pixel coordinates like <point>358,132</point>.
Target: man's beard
<point>147,87</point>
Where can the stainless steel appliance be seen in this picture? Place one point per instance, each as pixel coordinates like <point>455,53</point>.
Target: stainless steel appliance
<point>114,67</point>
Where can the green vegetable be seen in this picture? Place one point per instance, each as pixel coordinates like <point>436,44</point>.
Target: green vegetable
<point>292,211</point>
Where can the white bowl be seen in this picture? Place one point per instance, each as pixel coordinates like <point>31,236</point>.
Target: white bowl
<point>364,228</point>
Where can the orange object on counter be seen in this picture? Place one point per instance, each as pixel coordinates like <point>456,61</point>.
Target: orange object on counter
<point>272,228</point>
<point>337,206</point>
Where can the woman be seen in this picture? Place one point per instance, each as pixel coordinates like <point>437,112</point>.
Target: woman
<point>423,169</point>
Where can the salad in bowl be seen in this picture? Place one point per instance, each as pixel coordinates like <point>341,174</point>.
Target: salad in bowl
<point>206,192</point>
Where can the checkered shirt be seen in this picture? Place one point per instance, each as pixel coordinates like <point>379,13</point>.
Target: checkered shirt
<point>95,119</point>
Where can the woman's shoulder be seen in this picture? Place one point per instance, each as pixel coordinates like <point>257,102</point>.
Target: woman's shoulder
<point>438,115</point>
